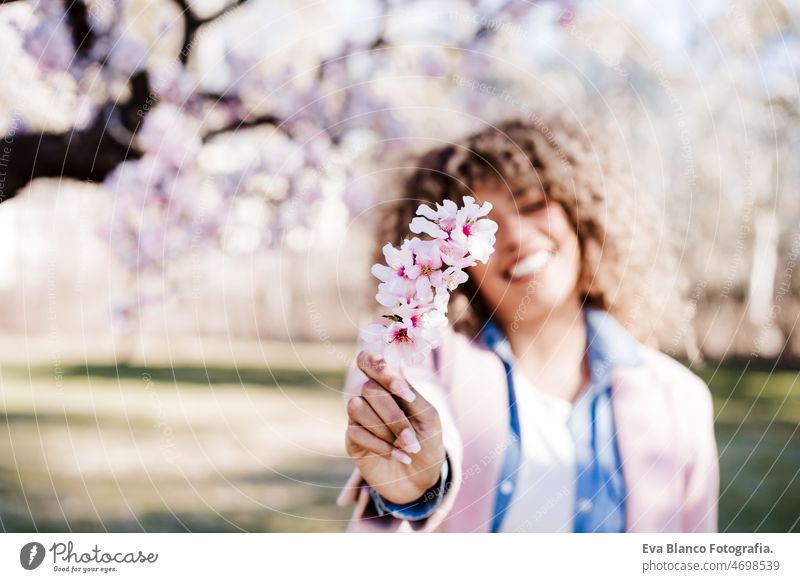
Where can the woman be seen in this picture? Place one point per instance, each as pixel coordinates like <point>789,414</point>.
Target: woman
<point>544,408</point>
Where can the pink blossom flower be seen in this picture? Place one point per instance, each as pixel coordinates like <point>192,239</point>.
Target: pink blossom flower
<point>400,263</point>
<point>473,231</point>
<point>421,315</point>
<point>396,291</point>
<point>49,43</point>
<point>417,271</point>
<point>171,134</point>
<point>417,278</point>
<point>403,340</point>
<point>452,277</point>
<point>397,276</point>
<point>427,267</point>
<point>465,228</point>
<point>436,223</point>
<point>455,255</point>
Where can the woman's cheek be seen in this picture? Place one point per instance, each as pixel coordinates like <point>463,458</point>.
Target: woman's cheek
<point>562,278</point>
<point>497,292</point>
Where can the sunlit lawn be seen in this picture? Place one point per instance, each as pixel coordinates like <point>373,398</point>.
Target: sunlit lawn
<point>758,435</point>
<point>225,449</point>
<point>172,449</point>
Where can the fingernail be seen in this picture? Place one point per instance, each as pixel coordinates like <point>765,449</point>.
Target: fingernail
<point>403,390</point>
<point>410,440</point>
<point>401,456</point>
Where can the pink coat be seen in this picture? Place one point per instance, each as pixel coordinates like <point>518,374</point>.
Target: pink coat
<point>664,422</point>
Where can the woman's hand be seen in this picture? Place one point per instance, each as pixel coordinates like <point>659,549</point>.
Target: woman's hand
<point>396,444</point>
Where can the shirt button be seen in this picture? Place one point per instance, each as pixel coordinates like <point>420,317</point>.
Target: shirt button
<point>584,505</point>
<point>506,487</point>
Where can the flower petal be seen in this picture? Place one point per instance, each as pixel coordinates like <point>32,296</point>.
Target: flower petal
<point>423,225</point>
<point>383,272</point>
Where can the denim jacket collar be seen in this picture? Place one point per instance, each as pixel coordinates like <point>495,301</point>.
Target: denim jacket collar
<point>609,344</point>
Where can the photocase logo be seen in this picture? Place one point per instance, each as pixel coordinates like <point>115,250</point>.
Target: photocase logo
<point>31,555</point>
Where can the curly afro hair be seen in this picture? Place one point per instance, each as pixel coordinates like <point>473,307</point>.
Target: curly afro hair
<point>628,265</point>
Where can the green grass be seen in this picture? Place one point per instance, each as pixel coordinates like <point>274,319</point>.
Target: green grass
<point>758,436</point>
<point>156,448</point>
<point>226,427</point>
<point>201,376</point>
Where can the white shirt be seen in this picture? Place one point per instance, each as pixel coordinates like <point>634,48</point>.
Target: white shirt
<point>544,496</point>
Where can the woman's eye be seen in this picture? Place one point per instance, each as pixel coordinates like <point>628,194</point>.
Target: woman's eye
<point>532,207</point>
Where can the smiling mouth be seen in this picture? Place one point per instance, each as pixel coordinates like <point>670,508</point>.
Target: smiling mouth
<point>530,265</point>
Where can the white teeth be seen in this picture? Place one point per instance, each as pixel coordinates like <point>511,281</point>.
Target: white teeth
<point>531,264</point>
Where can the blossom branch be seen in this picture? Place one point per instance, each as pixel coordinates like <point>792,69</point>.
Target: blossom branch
<point>417,278</point>
<point>88,154</point>
<point>193,23</point>
<point>244,124</point>
<point>83,37</point>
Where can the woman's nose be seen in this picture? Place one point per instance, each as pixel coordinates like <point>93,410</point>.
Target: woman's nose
<point>509,233</point>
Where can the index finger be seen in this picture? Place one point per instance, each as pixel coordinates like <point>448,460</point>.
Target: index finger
<point>374,366</point>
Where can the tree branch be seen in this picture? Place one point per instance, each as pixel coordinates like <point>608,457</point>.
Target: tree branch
<point>92,153</point>
<point>192,24</point>
<point>229,8</point>
<point>89,154</point>
<point>247,123</point>
<point>78,20</point>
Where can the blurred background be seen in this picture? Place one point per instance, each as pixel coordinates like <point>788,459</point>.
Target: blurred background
<point>187,191</point>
